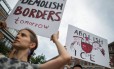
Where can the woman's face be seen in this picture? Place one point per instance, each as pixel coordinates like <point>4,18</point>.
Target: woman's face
<point>22,40</point>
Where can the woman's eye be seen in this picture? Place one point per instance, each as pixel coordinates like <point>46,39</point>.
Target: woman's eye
<point>23,34</point>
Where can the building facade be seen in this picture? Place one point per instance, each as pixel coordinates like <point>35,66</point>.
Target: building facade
<point>6,36</point>
<point>4,9</point>
<point>111,53</point>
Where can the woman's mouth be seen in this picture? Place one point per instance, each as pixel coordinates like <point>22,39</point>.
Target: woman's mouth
<point>16,41</point>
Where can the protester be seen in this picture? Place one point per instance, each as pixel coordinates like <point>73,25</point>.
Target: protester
<point>23,47</point>
<point>77,66</point>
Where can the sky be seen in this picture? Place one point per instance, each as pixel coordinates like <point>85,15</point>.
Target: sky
<point>94,16</point>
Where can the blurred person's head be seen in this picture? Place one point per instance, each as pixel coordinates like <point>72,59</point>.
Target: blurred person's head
<point>77,66</point>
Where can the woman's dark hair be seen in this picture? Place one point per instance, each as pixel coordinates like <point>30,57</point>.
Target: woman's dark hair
<point>34,39</point>
<point>77,65</point>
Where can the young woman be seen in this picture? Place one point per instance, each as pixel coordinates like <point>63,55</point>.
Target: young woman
<point>23,47</point>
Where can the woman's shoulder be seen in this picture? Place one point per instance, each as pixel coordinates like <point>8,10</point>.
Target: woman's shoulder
<point>12,62</point>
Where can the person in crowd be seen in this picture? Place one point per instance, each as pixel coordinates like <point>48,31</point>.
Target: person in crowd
<point>23,47</point>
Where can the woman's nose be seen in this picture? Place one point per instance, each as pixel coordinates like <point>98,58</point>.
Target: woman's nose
<point>18,36</point>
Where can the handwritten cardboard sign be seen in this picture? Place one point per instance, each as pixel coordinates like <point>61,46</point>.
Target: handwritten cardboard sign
<point>86,46</point>
<point>42,16</point>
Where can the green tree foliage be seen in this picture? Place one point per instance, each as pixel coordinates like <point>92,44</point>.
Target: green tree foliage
<point>40,59</point>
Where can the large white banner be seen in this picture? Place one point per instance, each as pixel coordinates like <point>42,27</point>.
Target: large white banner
<point>42,16</point>
<point>86,46</point>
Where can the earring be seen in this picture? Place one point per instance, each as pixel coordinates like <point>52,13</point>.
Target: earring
<point>29,52</point>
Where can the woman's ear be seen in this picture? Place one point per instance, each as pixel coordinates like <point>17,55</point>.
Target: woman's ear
<point>32,45</point>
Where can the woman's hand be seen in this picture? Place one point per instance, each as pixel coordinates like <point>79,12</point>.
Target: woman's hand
<point>55,36</point>
<point>2,24</point>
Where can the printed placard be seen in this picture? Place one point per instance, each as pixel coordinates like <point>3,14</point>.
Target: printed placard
<point>42,16</point>
<point>86,46</point>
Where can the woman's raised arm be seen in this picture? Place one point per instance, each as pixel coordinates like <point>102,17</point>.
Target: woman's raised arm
<point>62,59</point>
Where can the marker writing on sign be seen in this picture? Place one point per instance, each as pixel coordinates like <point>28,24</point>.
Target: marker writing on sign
<point>44,4</point>
<point>38,14</point>
<point>20,21</point>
